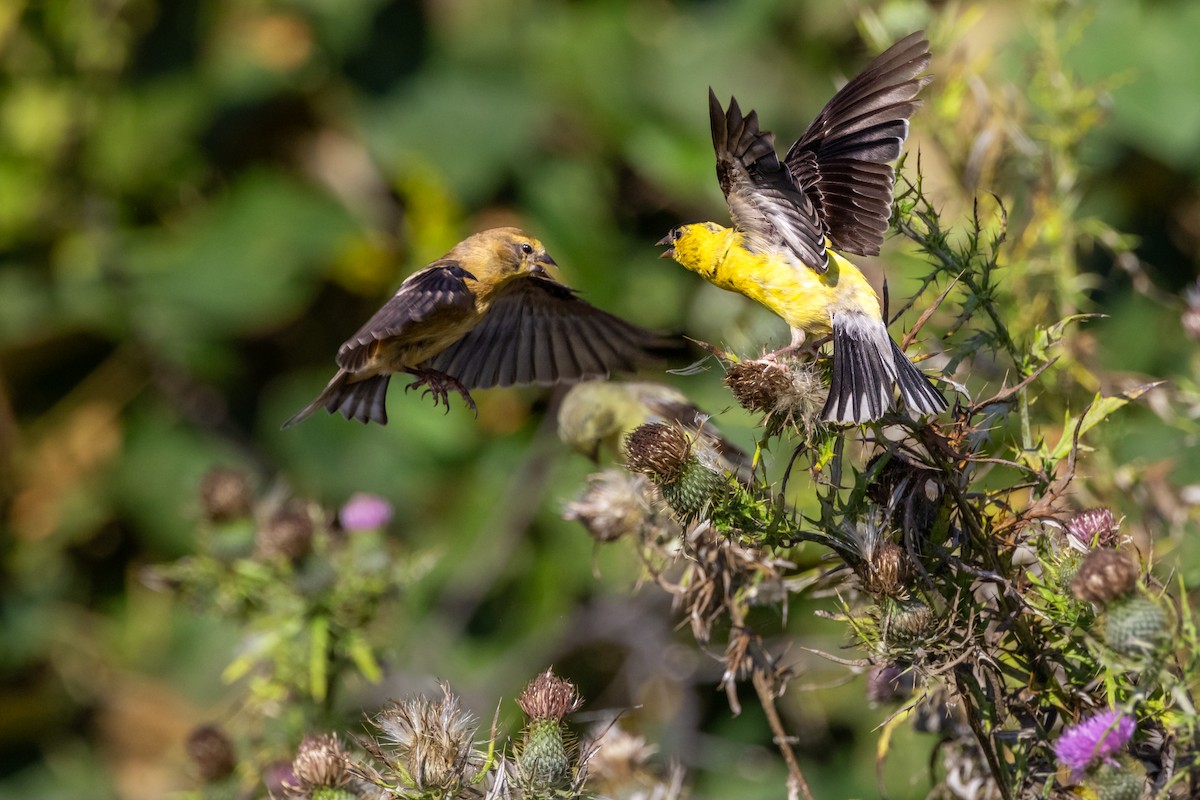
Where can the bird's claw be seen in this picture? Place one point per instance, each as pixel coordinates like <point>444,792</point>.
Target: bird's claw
<point>797,349</point>
<point>438,385</point>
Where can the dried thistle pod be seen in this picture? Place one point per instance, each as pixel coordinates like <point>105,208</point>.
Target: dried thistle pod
<point>787,392</point>
<point>212,751</point>
<point>225,495</point>
<point>888,570</point>
<point>665,454</point>
<point>287,534</point>
<point>615,504</point>
<point>658,450</point>
<point>321,763</point>
<point>1104,576</point>
<point>428,743</point>
<point>758,385</point>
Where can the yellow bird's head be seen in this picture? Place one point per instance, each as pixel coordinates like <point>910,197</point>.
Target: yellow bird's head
<point>699,246</point>
<point>498,255</point>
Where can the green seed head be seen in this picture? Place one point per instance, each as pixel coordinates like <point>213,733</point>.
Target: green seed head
<point>693,492</point>
<point>1115,783</point>
<point>544,756</point>
<point>906,621</point>
<point>1135,626</point>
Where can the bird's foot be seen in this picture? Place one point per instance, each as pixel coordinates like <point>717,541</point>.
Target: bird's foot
<point>797,349</point>
<point>438,385</point>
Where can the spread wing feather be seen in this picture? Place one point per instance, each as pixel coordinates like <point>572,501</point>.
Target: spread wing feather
<point>538,331</point>
<point>439,288</point>
<point>842,161</point>
<point>764,200</point>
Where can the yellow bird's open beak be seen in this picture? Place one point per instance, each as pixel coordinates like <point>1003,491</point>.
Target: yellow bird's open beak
<point>668,241</point>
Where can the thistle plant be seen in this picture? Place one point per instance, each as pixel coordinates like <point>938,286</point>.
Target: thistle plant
<point>306,592</point>
<point>981,594</point>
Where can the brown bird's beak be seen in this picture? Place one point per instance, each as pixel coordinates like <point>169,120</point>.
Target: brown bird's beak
<point>539,267</point>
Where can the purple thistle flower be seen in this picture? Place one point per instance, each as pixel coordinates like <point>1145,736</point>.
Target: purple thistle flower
<point>1096,526</point>
<point>365,512</point>
<point>1096,738</point>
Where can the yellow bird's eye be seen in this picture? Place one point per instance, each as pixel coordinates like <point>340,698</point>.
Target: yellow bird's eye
<point>527,248</point>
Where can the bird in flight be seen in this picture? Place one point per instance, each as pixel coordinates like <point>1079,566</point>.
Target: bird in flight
<point>792,219</point>
<point>485,314</point>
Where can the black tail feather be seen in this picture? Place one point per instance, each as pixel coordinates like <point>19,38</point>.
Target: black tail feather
<point>861,386</point>
<point>363,400</point>
<point>867,364</point>
<point>915,387</point>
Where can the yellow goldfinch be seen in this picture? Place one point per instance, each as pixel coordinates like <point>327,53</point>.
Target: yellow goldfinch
<point>596,416</point>
<point>485,314</point>
<point>833,191</point>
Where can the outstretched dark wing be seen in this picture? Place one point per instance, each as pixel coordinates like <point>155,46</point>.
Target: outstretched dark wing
<point>439,288</point>
<point>841,163</point>
<point>764,200</point>
<point>538,331</point>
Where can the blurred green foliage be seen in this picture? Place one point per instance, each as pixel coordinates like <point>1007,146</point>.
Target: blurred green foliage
<point>200,199</point>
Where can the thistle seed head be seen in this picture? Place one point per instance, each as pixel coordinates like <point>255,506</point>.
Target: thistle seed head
<point>321,762</point>
<point>1104,576</point>
<point>658,450</point>
<point>432,740</point>
<point>225,495</point>
<point>212,752</point>
<point>287,534</point>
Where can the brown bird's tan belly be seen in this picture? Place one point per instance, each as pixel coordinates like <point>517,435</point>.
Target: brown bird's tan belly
<point>399,353</point>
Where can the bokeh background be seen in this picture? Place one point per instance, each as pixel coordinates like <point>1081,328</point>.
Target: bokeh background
<point>200,199</point>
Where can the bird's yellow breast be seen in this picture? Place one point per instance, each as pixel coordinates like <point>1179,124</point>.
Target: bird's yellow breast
<point>804,298</point>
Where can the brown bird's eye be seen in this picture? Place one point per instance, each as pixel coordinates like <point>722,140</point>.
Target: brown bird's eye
<point>527,249</point>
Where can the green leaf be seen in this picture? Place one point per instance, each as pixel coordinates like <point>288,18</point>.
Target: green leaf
<point>1100,408</point>
<point>318,657</point>
<point>360,652</point>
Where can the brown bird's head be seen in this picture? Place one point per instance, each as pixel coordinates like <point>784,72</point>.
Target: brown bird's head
<point>498,255</point>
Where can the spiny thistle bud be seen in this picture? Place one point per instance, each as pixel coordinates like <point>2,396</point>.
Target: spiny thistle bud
<point>787,393</point>
<point>286,535</point>
<point>1094,739</point>
<point>431,740</point>
<point>321,763</point>
<point>890,683</point>
<point>1135,626</point>
<point>906,622</point>
<point>1095,527</point>
<point>888,570</point>
<point>212,752</point>
<point>1116,782</point>
<point>614,504</point>
<point>225,495</point>
<point>1104,576</point>
<point>546,753</point>
<point>665,454</point>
